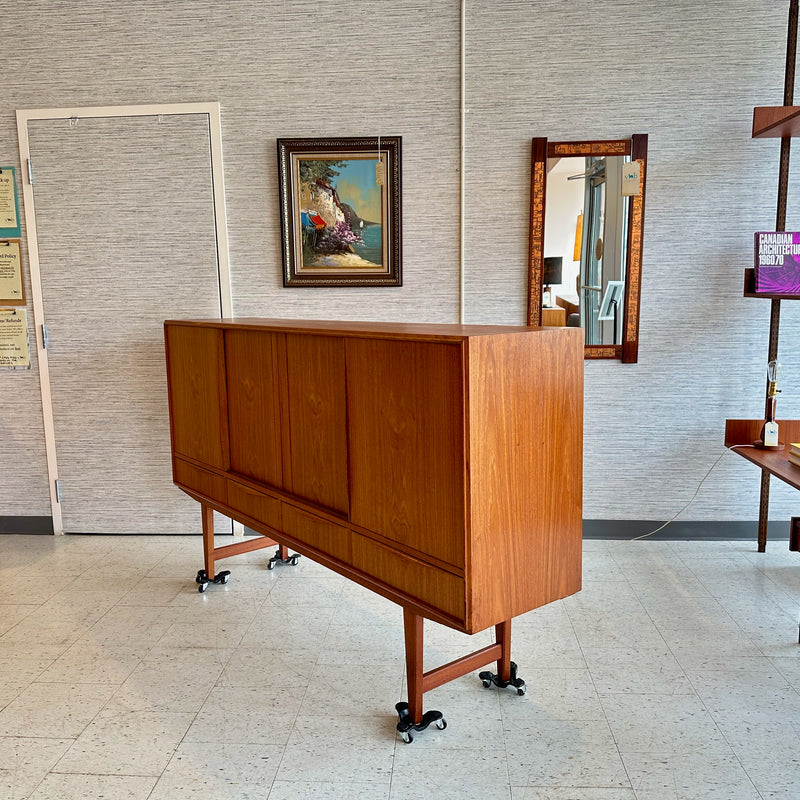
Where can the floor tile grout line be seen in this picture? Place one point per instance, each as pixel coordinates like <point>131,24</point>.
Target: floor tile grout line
<point>141,661</point>
<point>500,709</point>
<point>762,568</point>
<point>305,693</point>
<point>744,632</point>
<point>214,686</point>
<point>599,699</point>
<point>692,684</point>
<point>721,731</point>
<point>683,669</point>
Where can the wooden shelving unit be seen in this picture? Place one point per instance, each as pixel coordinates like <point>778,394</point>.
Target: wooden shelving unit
<point>776,122</point>
<point>782,122</point>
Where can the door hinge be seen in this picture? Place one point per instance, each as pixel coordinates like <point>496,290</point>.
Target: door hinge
<point>58,490</point>
<point>45,336</point>
<point>30,171</point>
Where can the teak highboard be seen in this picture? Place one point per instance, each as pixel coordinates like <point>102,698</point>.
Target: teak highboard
<point>438,465</point>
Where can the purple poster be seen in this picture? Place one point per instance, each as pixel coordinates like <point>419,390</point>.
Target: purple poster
<point>778,263</point>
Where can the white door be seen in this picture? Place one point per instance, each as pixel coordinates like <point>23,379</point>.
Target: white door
<point>126,238</point>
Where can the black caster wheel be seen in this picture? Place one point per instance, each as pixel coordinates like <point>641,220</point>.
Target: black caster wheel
<point>222,577</point>
<point>489,678</point>
<point>405,726</point>
<point>202,580</point>
<point>276,559</point>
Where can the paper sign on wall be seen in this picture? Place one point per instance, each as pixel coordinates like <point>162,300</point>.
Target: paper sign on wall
<point>631,179</point>
<point>14,338</point>
<point>9,210</point>
<point>12,287</point>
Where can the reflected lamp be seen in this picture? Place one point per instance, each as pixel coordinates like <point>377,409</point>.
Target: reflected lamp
<point>552,275</point>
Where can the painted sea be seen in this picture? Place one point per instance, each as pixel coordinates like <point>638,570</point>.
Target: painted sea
<point>371,250</point>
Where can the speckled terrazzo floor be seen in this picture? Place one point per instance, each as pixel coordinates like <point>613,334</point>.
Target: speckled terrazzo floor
<point>673,675</point>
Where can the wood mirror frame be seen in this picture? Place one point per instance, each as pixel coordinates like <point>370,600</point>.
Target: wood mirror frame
<point>636,148</point>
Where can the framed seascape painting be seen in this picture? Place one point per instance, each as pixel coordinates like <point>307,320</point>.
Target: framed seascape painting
<point>340,211</point>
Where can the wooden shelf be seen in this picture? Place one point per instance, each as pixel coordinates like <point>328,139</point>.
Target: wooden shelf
<point>749,288</point>
<point>775,122</point>
<point>741,433</point>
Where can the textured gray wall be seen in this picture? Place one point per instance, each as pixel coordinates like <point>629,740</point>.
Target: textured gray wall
<point>687,74</point>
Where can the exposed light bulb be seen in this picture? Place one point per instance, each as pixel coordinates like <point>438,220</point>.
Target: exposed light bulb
<point>769,433</point>
<point>773,373</point>
<point>773,370</point>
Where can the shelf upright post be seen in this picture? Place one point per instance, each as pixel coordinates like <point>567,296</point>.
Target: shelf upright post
<point>780,225</point>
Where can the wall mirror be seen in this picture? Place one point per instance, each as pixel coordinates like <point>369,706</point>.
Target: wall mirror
<point>587,220</point>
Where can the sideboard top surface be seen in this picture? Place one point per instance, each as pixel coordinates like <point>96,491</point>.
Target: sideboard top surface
<point>391,330</point>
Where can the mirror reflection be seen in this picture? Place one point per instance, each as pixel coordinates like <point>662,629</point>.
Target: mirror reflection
<point>586,231</point>
<point>585,244</point>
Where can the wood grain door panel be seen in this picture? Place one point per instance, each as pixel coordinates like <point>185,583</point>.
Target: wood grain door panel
<point>317,420</point>
<point>197,394</point>
<point>526,445</point>
<point>253,361</point>
<point>407,461</point>
<point>201,481</point>
<point>261,507</point>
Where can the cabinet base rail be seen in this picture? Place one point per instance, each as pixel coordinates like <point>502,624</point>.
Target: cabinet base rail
<point>419,681</point>
<point>411,716</point>
<point>212,554</point>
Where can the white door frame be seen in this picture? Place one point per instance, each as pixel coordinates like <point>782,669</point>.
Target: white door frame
<point>24,116</point>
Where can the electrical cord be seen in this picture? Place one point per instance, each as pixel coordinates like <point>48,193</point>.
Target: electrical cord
<point>697,491</point>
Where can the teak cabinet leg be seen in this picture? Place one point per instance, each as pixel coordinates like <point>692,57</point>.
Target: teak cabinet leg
<point>419,681</point>
<point>503,638</point>
<point>211,553</point>
<point>506,668</point>
<point>208,539</point>
<point>413,628</point>
<point>282,557</point>
<point>207,575</point>
<point>794,534</point>
<point>410,713</point>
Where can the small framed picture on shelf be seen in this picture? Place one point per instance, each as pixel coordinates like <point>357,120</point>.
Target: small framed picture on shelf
<point>341,211</point>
